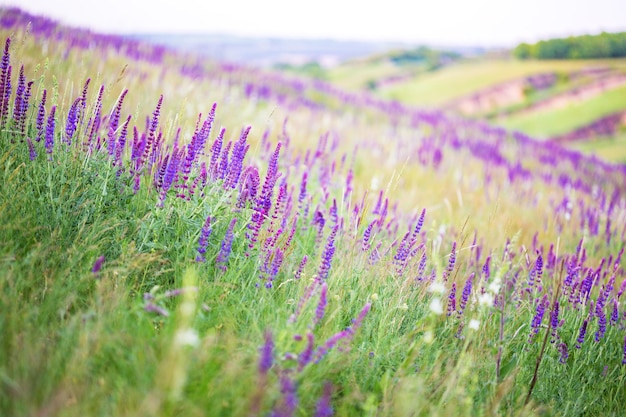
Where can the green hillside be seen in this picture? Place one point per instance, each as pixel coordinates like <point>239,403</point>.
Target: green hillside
<point>547,123</point>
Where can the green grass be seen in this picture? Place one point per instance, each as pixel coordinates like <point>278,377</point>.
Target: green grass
<point>447,84</point>
<point>558,121</point>
<point>611,149</point>
<point>356,75</point>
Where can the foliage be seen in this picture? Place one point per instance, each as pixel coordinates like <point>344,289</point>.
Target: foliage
<point>603,45</point>
<point>432,58</point>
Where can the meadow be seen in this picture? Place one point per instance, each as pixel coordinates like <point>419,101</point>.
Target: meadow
<point>194,238</point>
<point>501,85</point>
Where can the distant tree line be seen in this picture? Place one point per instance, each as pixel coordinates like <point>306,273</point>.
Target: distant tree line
<point>604,45</point>
<point>431,58</point>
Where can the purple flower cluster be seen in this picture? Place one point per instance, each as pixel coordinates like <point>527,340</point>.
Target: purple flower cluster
<point>327,255</point>
<point>50,124</point>
<point>22,100</point>
<point>343,336</point>
<point>266,359</point>
<point>203,241</point>
<point>451,262</point>
<point>5,83</point>
<point>227,243</point>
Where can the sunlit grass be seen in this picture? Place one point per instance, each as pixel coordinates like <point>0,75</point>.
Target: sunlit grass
<point>546,123</point>
<point>611,148</point>
<point>464,78</point>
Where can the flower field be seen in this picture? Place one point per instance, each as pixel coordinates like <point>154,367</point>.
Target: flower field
<point>194,238</point>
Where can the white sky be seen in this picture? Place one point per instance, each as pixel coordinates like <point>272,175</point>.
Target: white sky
<point>439,22</point>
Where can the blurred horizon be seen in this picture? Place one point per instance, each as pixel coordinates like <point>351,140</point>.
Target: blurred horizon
<point>446,24</point>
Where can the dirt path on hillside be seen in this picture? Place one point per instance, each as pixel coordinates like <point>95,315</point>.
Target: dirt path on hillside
<point>577,95</point>
<point>513,92</point>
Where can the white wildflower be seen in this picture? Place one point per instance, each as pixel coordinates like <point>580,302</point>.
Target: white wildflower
<point>187,337</point>
<point>437,288</point>
<point>474,324</point>
<point>485,299</point>
<point>494,287</point>
<point>436,306</point>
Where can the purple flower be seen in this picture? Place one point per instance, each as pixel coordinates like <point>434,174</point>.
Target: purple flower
<point>402,254</point>
<point>223,166</point>
<point>585,286</point>
<point>50,132</point>
<point>305,356</point>
<point>267,354</point>
<point>277,261</point>
<point>41,117</point>
<point>5,82</point>
<point>203,241</point>
<point>535,273</point>
<point>249,186</point>
<point>539,266</point>
<point>236,164</point>
<point>31,149</point>
<point>200,180</point>
<point>421,268</point>
<point>114,121</point>
<point>290,398</point>
<point>563,353</point>
<point>486,271</point>
<point>452,299</point>
<point>333,212</point>
<point>581,335</point>
<point>345,335</point>
<point>614,313</point>
<point>327,255</point>
<point>624,359</point>
<point>418,226</point>
<point>121,143</point>
<point>216,149</point>
<point>96,119</point>
<point>321,306</point>
<point>170,173</point>
<point>538,318</point>
<point>271,176</point>
<point>324,408</point>
<point>18,106</point>
<point>153,308</point>
<point>178,291</point>
<point>622,288</point>
<point>303,262</point>
<point>467,291</point>
<point>154,124</point>
<point>319,221</point>
<point>554,316</point>
<point>72,120</point>
<point>227,243</point>
<point>83,96</point>
<point>451,262</point>
<point>366,237</point>
<point>196,146</point>
<point>25,106</point>
<point>601,326</point>
<point>97,265</point>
